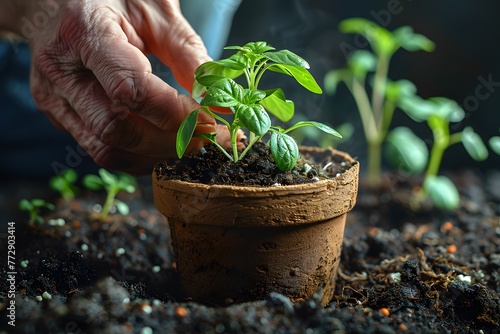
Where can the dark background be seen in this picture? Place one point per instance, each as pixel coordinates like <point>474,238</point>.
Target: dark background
<point>467,48</point>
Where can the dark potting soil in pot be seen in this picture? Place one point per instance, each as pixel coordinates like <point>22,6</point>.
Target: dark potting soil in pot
<point>257,168</point>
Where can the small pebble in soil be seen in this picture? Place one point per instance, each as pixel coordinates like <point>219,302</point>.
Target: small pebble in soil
<point>385,311</point>
<point>120,251</point>
<point>466,279</point>
<point>181,312</point>
<point>39,298</point>
<point>146,330</point>
<point>395,278</point>
<point>67,233</point>
<point>46,295</point>
<point>84,247</point>
<point>97,208</point>
<point>451,249</point>
<point>278,300</point>
<point>156,269</point>
<point>147,309</point>
<point>56,222</point>
<point>25,263</point>
<point>126,300</point>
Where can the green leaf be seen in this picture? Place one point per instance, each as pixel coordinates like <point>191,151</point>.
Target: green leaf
<point>121,207</point>
<point>254,117</point>
<point>25,205</point>
<point>323,127</point>
<point>229,68</point>
<point>411,41</point>
<point>276,103</point>
<point>284,150</point>
<point>107,177</point>
<point>223,93</point>
<point>185,132</point>
<point>447,109</point>
<point>382,41</point>
<point>93,182</point>
<point>422,110</point>
<point>474,145</point>
<point>495,144</point>
<point>396,90</point>
<point>361,62</point>
<point>333,78</point>
<point>416,108</point>
<point>286,57</point>
<point>442,192</point>
<point>303,77</point>
<point>210,72</point>
<point>251,96</point>
<point>405,151</point>
<point>256,48</point>
<point>69,175</point>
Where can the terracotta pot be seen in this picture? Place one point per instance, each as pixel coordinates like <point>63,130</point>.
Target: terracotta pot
<point>240,243</point>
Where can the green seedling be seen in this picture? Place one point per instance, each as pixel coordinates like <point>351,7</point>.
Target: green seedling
<point>65,184</point>
<point>251,106</point>
<point>376,109</point>
<point>438,112</point>
<point>495,144</point>
<point>33,207</point>
<point>113,184</point>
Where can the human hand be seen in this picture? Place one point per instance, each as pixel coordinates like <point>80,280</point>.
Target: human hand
<point>90,77</point>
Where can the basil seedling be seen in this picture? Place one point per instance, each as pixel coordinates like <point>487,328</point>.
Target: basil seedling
<point>251,106</point>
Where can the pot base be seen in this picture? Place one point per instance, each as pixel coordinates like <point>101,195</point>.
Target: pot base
<point>218,264</point>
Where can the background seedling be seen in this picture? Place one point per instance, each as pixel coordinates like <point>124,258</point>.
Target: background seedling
<point>438,112</point>
<point>33,207</point>
<point>65,184</point>
<point>113,184</point>
<point>376,111</point>
<point>251,106</point>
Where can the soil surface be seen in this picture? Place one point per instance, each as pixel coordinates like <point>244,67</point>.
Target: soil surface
<point>404,269</point>
<point>256,168</point>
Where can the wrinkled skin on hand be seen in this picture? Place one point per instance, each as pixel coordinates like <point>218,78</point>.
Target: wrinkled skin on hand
<point>90,77</point>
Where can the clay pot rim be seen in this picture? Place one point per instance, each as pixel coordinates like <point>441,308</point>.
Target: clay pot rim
<point>222,190</point>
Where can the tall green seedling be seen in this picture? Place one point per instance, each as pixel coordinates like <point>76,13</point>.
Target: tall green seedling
<point>376,109</point>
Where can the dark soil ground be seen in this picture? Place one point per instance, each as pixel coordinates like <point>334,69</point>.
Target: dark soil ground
<point>402,271</point>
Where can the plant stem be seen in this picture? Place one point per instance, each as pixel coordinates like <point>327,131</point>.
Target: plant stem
<point>379,84</point>
<point>372,133</point>
<point>234,144</point>
<point>110,197</point>
<point>374,162</point>
<point>256,139</point>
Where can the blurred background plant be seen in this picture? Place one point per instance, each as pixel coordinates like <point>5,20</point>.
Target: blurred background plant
<point>376,109</point>
<point>112,184</point>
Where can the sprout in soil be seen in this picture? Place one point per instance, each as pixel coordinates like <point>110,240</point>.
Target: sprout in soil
<point>376,111</point>
<point>65,184</point>
<point>250,105</point>
<point>113,184</point>
<point>410,152</point>
<point>33,207</point>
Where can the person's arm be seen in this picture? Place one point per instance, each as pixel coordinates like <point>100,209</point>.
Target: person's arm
<point>90,75</point>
